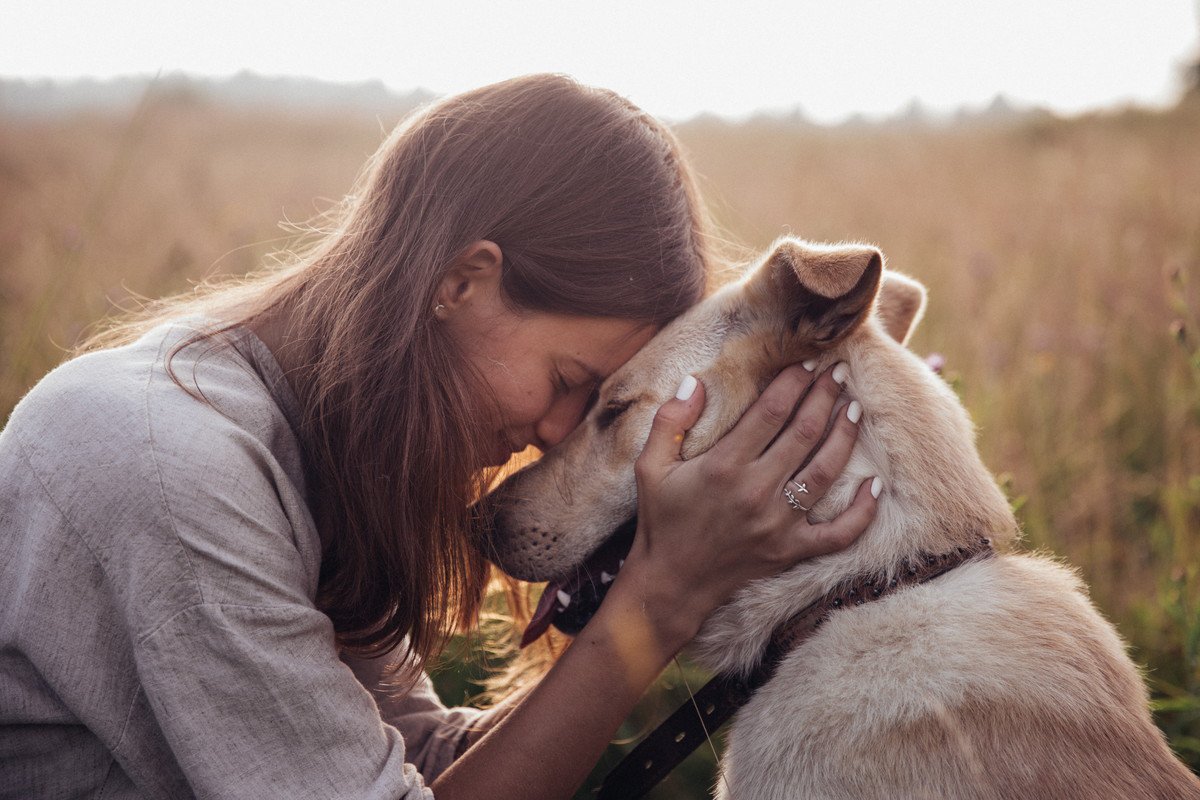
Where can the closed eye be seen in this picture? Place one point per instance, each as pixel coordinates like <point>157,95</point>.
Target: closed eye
<point>608,415</point>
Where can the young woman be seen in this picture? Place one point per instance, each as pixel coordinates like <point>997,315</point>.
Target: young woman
<point>231,534</point>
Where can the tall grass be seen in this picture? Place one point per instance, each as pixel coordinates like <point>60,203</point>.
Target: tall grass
<point>1062,257</point>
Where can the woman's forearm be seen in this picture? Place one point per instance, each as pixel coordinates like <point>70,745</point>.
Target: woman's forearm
<point>545,747</point>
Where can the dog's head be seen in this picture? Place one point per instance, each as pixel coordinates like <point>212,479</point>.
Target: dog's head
<point>798,302</point>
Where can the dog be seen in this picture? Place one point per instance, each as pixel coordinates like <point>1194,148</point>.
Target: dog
<point>998,679</point>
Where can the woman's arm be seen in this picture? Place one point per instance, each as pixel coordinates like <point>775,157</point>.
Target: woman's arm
<point>547,744</point>
<point>705,528</point>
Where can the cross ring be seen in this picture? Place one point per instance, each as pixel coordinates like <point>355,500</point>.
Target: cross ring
<point>791,495</point>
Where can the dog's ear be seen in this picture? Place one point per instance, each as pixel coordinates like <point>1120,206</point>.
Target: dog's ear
<point>826,290</point>
<point>901,305</point>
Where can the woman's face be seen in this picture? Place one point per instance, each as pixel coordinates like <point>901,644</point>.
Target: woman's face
<point>544,369</point>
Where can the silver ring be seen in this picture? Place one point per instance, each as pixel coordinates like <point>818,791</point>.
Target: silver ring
<point>791,496</point>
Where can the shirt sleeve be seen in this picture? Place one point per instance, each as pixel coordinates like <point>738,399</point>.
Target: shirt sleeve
<point>433,733</point>
<point>255,703</point>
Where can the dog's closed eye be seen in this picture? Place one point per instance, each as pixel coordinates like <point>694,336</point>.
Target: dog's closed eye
<point>608,415</point>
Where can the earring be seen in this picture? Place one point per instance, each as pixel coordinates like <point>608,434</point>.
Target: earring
<point>439,308</point>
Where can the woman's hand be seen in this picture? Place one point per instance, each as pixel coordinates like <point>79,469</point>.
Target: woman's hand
<point>709,525</point>
<point>705,527</point>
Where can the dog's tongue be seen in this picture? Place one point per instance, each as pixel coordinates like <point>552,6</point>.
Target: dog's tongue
<point>569,602</point>
<point>543,615</point>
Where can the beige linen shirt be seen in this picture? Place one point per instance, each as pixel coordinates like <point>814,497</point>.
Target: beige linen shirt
<point>158,565</point>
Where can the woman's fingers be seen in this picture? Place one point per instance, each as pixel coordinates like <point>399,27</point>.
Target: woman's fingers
<point>763,421</point>
<point>670,425</point>
<point>718,521</point>
<point>809,485</point>
<point>796,442</point>
<point>841,531</point>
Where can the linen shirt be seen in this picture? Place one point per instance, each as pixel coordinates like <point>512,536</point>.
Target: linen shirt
<point>158,568</point>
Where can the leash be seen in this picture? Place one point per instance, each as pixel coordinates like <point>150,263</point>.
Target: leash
<point>675,739</point>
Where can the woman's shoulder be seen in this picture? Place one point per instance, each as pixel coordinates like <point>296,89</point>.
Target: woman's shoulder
<point>163,408</point>
<point>190,466</point>
<point>91,402</point>
<point>166,380</point>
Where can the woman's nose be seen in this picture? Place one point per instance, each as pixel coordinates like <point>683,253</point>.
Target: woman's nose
<point>563,416</point>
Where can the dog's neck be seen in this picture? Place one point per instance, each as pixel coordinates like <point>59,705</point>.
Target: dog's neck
<point>917,437</point>
<point>937,494</point>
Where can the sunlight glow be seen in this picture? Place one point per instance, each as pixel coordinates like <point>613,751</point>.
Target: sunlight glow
<point>675,58</point>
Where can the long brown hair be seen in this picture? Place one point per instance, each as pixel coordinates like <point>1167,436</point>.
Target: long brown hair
<point>596,214</point>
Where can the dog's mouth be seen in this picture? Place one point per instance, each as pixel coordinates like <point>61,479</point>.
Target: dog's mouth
<point>569,602</point>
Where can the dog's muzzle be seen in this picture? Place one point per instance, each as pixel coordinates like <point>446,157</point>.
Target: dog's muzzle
<point>568,603</point>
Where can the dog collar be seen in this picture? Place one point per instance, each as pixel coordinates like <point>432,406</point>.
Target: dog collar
<point>670,743</point>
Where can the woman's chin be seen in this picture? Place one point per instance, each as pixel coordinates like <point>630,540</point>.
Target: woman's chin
<point>499,456</point>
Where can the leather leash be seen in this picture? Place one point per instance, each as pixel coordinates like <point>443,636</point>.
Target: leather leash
<point>674,740</point>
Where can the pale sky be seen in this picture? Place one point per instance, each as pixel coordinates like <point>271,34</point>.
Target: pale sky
<point>675,58</point>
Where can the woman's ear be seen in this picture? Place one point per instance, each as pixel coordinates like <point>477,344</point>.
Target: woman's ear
<point>473,278</point>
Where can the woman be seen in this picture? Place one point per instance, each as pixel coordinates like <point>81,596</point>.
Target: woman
<point>229,536</point>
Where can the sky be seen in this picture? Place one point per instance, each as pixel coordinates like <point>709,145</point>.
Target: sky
<point>675,58</point>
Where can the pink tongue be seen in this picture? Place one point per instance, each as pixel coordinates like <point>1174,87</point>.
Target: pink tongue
<point>543,615</point>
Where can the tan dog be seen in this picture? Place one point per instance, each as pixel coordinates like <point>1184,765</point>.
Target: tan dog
<point>996,680</point>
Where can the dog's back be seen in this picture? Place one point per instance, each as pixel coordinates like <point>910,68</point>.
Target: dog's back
<point>997,680</point>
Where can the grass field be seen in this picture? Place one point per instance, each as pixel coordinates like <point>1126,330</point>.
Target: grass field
<point>1062,257</point>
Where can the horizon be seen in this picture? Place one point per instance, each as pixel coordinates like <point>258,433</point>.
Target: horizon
<point>673,59</point>
<point>52,96</point>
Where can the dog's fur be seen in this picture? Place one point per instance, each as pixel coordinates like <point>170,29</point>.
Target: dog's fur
<point>996,680</point>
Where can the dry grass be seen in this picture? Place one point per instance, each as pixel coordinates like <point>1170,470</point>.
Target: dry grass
<point>1062,258</point>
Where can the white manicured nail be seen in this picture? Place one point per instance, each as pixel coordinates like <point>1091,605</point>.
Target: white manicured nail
<point>686,388</point>
<point>854,411</point>
<point>809,365</point>
<point>876,487</point>
<point>564,598</point>
<point>841,372</point>
<point>605,577</point>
